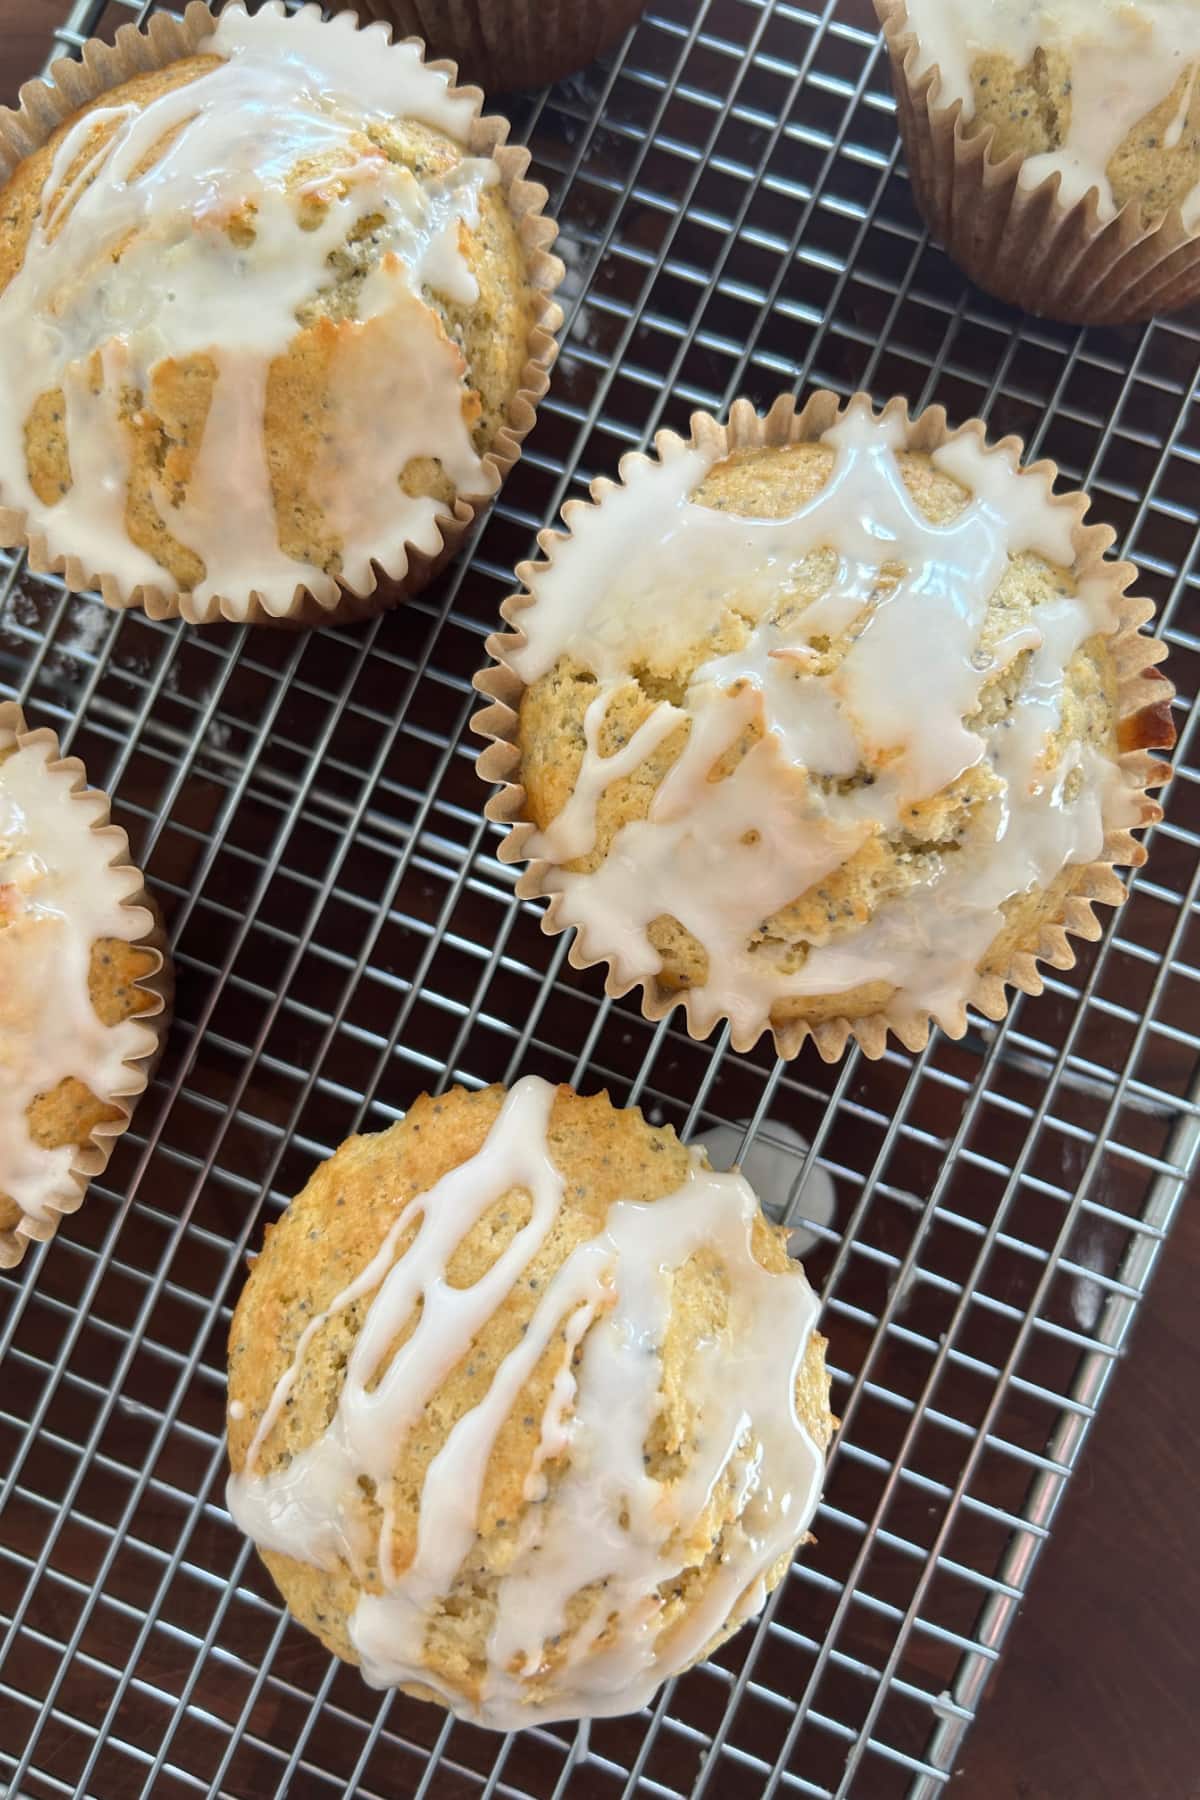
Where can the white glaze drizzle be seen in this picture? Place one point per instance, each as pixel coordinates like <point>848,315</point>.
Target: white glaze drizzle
<point>1126,57</point>
<point>76,315</point>
<point>612,1296</point>
<point>648,572</point>
<point>57,897</point>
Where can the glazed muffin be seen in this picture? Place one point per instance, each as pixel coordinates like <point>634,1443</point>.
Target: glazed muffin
<point>82,985</point>
<point>527,1410</point>
<point>273,314</point>
<point>506,44</point>
<point>1054,146</point>
<point>825,723</point>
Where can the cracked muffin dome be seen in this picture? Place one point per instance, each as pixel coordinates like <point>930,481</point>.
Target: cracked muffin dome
<point>1102,93</point>
<point>81,985</point>
<point>527,1410</point>
<point>823,733</point>
<point>269,315</point>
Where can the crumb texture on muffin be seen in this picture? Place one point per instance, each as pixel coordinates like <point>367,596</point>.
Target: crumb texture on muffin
<point>70,966</point>
<point>1104,93</point>
<point>527,1408</point>
<point>818,730</point>
<point>261,317</point>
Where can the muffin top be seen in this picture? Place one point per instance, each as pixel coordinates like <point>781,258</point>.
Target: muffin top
<point>69,964</point>
<point>526,1404</point>
<point>805,723</point>
<point>1103,93</point>
<point>261,317</point>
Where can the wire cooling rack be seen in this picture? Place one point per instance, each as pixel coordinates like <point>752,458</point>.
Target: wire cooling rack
<point>734,218</point>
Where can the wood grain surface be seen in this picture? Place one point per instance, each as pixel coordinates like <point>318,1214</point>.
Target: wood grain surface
<point>1098,1694</point>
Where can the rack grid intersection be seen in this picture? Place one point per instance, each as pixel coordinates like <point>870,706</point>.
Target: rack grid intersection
<point>735,219</point>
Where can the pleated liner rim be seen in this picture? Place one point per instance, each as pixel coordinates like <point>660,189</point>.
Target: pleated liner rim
<point>45,104</point>
<point>1144,725</point>
<point>1023,244</point>
<point>91,1158</point>
<point>511,44</point>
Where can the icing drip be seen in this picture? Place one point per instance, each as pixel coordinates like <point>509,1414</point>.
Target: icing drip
<point>606,1519</point>
<point>1126,58</point>
<point>57,896</point>
<point>130,267</point>
<point>843,754</point>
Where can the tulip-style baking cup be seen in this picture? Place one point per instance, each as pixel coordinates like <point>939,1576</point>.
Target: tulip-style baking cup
<point>375,574</point>
<point>505,44</point>
<point>62,1069</point>
<point>1142,707</point>
<point>1021,242</point>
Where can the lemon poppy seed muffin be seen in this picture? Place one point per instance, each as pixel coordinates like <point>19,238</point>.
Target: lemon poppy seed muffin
<point>81,985</point>
<point>527,1408</point>
<point>1101,92</point>
<point>1092,110</point>
<point>823,732</point>
<point>269,316</point>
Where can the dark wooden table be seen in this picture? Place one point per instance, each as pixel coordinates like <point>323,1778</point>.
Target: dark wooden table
<point>1098,1694</point>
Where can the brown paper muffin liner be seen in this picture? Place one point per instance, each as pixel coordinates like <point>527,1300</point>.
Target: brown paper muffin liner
<point>92,1157</point>
<point>43,107</point>
<point>1143,711</point>
<point>1021,243</point>
<point>506,44</point>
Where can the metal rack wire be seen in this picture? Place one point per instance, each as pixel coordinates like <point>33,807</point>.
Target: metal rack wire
<point>735,219</point>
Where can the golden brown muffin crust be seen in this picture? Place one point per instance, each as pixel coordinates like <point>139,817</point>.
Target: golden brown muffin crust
<point>772,482</point>
<point>334,1227</point>
<point>1029,110</point>
<point>164,426</point>
<point>70,1112</point>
